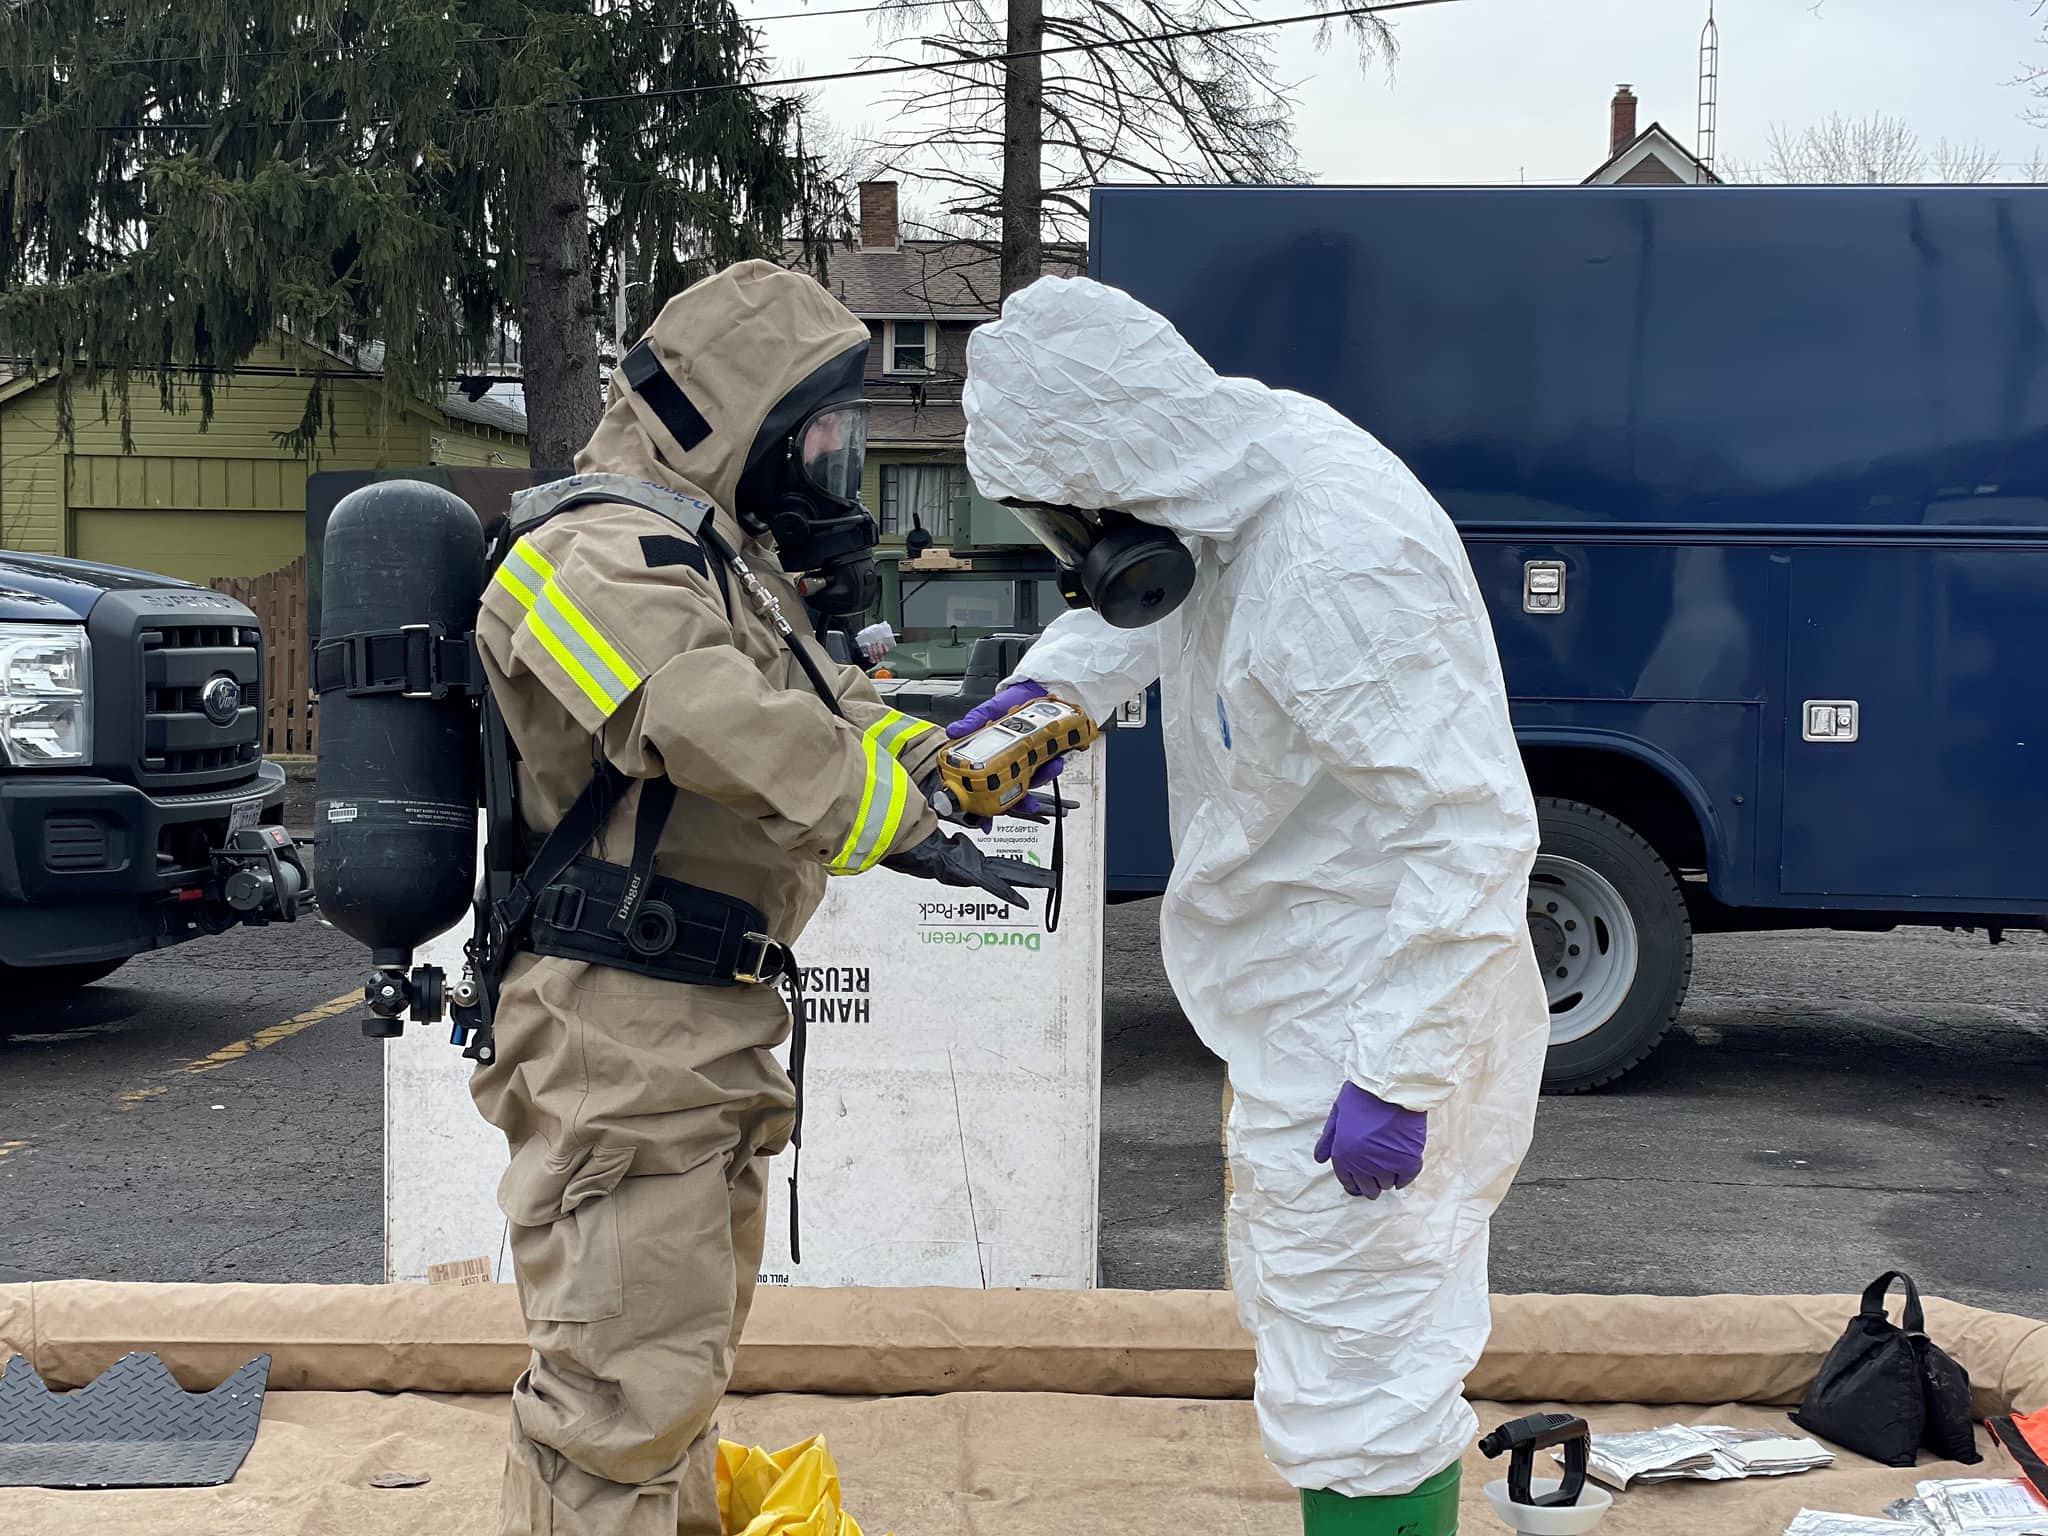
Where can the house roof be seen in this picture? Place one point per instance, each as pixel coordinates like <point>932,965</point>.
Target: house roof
<point>503,405</point>
<point>941,425</point>
<point>1653,143</point>
<point>945,278</point>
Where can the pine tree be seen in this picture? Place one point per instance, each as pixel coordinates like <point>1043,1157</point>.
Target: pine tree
<point>181,178</point>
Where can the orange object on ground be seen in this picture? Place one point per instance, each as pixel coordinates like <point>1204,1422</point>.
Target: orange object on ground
<point>2025,1438</point>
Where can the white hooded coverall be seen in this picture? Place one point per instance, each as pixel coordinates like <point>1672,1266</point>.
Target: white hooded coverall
<point>1353,834</point>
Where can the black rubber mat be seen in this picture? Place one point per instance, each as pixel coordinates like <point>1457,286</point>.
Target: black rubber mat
<point>132,1426</point>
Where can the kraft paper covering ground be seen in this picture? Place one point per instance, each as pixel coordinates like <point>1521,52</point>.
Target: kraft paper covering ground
<point>1021,1413</point>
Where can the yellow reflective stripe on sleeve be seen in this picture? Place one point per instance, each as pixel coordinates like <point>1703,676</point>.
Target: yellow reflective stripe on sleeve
<point>879,818</point>
<point>899,797</point>
<point>515,586</point>
<point>579,649</point>
<point>867,799</point>
<point>595,688</point>
<point>533,559</point>
<point>593,640</point>
<point>900,730</point>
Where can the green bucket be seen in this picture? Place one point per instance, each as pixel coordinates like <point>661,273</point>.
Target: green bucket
<point>1431,1510</point>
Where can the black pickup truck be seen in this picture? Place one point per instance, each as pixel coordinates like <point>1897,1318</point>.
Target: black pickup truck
<point>136,807</point>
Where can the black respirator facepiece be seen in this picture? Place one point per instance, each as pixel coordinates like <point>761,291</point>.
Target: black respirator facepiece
<point>801,485</point>
<point>801,480</point>
<point>821,530</point>
<point>1132,573</point>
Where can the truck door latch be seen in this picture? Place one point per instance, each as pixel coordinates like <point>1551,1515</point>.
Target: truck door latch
<point>1830,719</point>
<point>1543,586</point>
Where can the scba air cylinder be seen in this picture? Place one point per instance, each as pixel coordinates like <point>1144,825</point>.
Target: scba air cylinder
<point>402,571</point>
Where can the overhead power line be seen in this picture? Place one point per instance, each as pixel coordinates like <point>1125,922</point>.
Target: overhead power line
<point>1108,45</point>
<point>1299,18</point>
<point>337,45</point>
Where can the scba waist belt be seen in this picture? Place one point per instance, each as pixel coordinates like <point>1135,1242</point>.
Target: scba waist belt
<point>675,931</point>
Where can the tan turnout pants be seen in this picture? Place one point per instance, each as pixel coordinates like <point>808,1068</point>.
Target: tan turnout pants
<point>640,1116</point>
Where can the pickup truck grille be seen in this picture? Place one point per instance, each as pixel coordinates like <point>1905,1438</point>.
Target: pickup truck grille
<point>190,701</point>
<point>187,637</point>
<point>179,743</point>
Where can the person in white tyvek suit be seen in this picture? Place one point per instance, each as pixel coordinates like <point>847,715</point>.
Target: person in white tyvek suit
<point>1353,832</point>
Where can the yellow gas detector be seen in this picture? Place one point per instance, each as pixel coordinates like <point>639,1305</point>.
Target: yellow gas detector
<point>988,772</point>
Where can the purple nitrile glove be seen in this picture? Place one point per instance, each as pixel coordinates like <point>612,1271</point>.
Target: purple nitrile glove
<point>1031,805</point>
<point>1016,696</point>
<point>1372,1146</point>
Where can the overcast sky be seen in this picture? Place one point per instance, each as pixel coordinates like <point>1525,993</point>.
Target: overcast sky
<point>1501,90</point>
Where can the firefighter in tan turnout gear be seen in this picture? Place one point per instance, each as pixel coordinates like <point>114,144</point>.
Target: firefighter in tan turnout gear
<point>702,769</point>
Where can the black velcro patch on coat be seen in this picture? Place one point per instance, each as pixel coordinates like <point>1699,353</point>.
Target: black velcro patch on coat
<point>664,549</point>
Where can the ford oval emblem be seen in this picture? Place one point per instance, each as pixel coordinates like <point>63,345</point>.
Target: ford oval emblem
<point>221,698</point>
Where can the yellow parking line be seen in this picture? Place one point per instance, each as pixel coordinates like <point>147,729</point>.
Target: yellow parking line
<point>263,1039</point>
<point>9,1148</point>
<point>138,1096</point>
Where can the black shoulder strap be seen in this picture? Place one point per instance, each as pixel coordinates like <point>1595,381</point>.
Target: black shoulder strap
<point>705,534</point>
<point>657,799</point>
<point>577,829</point>
<point>1914,1318</point>
<point>502,829</point>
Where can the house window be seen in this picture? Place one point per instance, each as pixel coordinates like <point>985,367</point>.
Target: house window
<point>922,491</point>
<point>911,346</point>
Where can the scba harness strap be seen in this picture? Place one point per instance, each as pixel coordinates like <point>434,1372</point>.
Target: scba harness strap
<point>566,904</point>
<point>418,661</point>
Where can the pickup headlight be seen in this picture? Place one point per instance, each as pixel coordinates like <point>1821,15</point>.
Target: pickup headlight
<point>45,695</point>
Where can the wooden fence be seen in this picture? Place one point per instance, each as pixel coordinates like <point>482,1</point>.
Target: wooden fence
<point>278,599</point>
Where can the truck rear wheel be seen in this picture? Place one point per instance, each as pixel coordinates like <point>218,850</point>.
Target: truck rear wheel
<point>1612,939</point>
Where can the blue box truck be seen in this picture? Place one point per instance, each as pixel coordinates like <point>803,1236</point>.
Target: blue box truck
<point>1755,481</point>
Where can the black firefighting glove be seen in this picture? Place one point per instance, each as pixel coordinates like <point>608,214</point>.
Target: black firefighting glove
<point>954,860</point>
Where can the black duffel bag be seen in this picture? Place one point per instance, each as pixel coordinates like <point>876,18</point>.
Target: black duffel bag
<point>1886,1392</point>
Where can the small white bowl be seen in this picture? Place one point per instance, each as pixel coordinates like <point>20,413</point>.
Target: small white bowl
<point>1561,1520</point>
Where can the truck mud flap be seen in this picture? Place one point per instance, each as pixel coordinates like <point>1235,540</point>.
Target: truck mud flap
<point>132,1426</point>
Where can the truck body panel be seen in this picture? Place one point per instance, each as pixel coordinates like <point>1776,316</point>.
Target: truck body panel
<point>1789,447</point>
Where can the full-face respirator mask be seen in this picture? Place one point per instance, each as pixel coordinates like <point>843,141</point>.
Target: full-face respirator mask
<point>1133,573</point>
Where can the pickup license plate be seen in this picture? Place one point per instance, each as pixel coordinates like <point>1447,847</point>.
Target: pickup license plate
<point>244,816</point>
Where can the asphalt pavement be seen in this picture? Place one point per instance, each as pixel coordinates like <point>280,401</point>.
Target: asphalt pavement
<point>1830,1106</point>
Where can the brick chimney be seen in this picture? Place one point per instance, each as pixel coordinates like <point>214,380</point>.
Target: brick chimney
<point>1621,123</point>
<point>878,216</point>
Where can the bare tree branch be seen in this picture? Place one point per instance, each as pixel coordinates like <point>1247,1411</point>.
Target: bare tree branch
<point>1146,107</point>
<point>1874,150</point>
